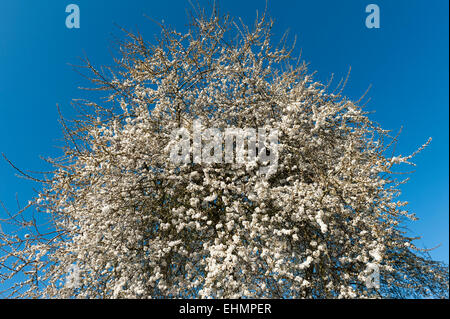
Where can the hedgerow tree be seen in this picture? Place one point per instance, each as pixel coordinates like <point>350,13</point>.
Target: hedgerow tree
<point>127,222</point>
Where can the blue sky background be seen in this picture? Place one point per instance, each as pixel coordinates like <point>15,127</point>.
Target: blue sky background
<point>405,61</point>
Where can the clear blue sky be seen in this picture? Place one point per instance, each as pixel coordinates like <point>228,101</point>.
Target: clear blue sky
<point>406,61</point>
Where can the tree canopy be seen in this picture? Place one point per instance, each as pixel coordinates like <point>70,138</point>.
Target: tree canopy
<point>129,223</point>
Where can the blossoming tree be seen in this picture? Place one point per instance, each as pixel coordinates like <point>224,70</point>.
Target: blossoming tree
<point>120,220</point>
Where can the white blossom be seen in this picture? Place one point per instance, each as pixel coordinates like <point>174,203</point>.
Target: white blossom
<point>142,226</point>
